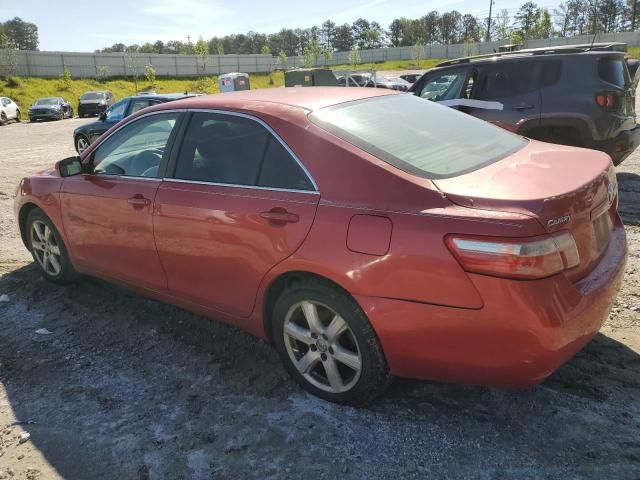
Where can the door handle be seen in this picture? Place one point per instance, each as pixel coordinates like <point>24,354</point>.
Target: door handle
<point>139,201</point>
<point>522,108</point>
<point>280,216</point>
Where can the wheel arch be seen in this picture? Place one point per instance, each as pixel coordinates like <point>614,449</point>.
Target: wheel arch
<point>24,212</point>
<point>280,283</point>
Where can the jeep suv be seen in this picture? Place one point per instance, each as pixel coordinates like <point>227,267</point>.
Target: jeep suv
<point>581,95</point>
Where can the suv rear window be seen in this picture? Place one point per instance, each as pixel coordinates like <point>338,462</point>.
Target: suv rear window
<point>614,70</point>
<point>418,136</point>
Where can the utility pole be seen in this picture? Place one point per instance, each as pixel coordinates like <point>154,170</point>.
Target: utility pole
<point>488,38</point>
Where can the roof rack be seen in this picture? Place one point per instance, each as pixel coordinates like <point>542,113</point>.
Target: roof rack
<point>534,51</point>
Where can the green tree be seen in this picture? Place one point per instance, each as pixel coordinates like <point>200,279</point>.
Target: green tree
<point>354,58</point>
<point>65,78</point>
<point>265,50</point>
<point>150,75</point>
<point>311,53</point>
<point>527,19</point>
<point>22,35</point>
<point>201,49</point>
<point>282,59</point>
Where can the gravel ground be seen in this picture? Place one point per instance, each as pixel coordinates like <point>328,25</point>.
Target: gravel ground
<point>128,388</point>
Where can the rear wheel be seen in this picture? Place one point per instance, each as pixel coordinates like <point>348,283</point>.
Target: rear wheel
<point>18,116</point>
<point>327,344</point>
<point>70,113</point>
<point>48,249</point>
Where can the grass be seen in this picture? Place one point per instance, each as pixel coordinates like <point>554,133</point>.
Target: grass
<point>634,52</point>
<point>25,90</point>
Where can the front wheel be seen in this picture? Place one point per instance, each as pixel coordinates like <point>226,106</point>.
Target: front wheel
<point>70,113</point>
<point>48,249</point>
<point>81,143</point>
<point>328,345</point>
<point>3,118</point>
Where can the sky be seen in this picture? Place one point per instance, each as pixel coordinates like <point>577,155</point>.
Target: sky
<point>86,25</point>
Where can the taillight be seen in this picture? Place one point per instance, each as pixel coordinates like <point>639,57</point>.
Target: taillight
<point>519,258</point>
<point>609,101</point>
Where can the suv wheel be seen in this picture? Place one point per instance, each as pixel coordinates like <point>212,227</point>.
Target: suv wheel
<point>327,344</point>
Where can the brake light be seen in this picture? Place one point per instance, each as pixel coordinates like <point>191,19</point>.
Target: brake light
<point>518,258</point>
<point>609,101</point>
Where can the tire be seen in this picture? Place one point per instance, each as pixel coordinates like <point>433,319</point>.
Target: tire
<point>3,118</point>
<point>48,249</point>
<point>309,350</point>
<point>70,115</point>
<point>81,143</point>
<point>62,115</point>
<point>18,116</point>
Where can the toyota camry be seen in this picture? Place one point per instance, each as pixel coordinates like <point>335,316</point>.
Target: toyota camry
<point>365,233</point>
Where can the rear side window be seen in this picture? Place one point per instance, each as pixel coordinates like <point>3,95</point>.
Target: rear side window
<point>280,170</point>
<point>419,137</point>
<point>234,150</point>
<point>550,74</point>
<point>614,71</point>
<point>506,79</point>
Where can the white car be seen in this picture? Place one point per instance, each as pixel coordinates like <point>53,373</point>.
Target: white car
<point>9,110</point>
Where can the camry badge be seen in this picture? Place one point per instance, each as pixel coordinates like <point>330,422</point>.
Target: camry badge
<point>558,221</point>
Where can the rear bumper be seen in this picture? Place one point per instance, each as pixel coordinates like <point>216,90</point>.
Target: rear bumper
<point>525,331</point>
<point>622,146</point>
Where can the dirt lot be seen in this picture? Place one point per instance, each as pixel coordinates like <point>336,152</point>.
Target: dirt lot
<point>128,388</point>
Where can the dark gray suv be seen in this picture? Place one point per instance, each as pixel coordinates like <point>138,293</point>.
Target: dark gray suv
<point>581,95</point>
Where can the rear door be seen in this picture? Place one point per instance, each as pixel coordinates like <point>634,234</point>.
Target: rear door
<point>238,203</point>
<point>507,94</point>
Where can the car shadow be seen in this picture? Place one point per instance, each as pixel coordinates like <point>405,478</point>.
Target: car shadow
<point>126,387</point>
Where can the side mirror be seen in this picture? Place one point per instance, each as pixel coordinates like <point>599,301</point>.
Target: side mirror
<point>103,116</point>
<point>69,167</point>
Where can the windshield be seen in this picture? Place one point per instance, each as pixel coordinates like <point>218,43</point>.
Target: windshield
<point>47,101</point>
<point>418,136</point>
<point>92,96</point>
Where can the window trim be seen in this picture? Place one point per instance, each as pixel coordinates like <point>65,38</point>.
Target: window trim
<point>171,167</point>
<point>164,162</point>
<point>177,137</point>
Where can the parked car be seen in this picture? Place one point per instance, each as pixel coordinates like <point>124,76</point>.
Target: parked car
<point>392,83</point>
<point>411,77</point>
<point>429,245</point>
<point>86,134</point>
<point>9,110</point>
<point>94,103</point>
<point>574,96</point>
<point>50,108</point>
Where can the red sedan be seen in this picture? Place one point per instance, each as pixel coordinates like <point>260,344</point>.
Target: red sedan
<point>365,233</point>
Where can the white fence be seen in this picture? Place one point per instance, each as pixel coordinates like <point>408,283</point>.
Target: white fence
<point>81,65</point>
<point>461,50</point>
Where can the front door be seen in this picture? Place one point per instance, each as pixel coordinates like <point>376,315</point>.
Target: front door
<point>107,213</point>
<point>238,204</point>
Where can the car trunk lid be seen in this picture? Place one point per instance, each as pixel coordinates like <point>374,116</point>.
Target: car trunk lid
<point>564,188</point>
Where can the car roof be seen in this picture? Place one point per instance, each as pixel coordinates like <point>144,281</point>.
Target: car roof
<point>309,98</point>
<point>613,48</point>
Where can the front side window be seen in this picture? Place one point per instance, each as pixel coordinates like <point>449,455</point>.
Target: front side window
<point>444,86</point>
<point>234,150</point>
<point>421,138</point>
<point>116,112</point>
<point>137,149</point>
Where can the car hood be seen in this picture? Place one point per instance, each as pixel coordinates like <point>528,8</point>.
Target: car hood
<point>93,126</point>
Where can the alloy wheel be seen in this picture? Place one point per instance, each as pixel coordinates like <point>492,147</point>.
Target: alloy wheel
<point>81,143</point>
<point>45,248</point>
<point>322,347</point>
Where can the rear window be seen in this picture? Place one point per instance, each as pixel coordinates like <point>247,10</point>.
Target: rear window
<point>614,71</point>
<point>418,136</point>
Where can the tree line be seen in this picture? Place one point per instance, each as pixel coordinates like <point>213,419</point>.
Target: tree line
<point>572,17</point>
<point>18,34</point>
